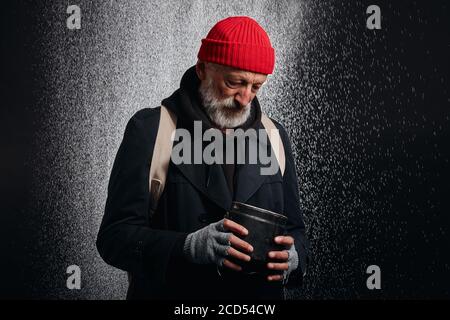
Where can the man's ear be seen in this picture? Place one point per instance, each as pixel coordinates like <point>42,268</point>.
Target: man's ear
<point>200,68</point>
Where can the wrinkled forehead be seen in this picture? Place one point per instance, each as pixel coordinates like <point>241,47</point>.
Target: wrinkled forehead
<point>238,74</point>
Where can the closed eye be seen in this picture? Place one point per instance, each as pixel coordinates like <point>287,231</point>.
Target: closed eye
<point>232,84</point>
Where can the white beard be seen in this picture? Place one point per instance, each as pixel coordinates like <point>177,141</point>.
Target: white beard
<point>224,113</point>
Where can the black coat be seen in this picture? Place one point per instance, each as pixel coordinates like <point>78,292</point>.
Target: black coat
<point>151,250</point>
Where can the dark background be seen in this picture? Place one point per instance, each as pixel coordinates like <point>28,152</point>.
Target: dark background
<point>368,116</point>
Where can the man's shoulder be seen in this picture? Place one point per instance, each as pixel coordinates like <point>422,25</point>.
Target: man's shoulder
<point>276,123</point>
<point>146,115</point>
<point>283,133</point>
<point>145,118</point>
<point>143,125</point>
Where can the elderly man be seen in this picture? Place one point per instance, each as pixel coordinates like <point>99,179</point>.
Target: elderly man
<point>184,247</point>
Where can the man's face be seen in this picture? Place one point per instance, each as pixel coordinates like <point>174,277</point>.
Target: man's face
<point>227,93</point>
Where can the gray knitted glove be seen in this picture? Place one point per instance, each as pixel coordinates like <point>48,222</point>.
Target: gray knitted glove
<point>292,262</point>
<point>208,245</point>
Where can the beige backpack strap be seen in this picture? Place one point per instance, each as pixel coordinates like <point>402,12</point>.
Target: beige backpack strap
<point>161,155</point>
<point>160,159</point>
<point>275,141</point>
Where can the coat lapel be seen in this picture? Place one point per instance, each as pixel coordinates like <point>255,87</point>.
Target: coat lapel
<point>248,177</point>
<point>209,180</point>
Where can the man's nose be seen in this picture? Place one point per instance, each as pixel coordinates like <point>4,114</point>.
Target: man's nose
<point>244,96</point>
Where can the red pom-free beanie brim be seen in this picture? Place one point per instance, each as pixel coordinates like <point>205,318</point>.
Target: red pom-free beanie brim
<point>239,42</point>
<point>250,57</point>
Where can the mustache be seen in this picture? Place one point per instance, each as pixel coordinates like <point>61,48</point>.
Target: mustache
<point>231,103</point>
<point>224,112</point>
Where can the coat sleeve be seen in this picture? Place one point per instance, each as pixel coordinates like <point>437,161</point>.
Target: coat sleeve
<point>125,239</point>
<point>296,225</point>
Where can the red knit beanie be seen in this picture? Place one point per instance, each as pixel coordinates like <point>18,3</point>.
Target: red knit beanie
<point>239,42</point>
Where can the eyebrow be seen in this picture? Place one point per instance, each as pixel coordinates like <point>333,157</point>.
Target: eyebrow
<point>240,79</point>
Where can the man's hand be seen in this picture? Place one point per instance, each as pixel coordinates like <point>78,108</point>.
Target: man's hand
<point>236,243</point>
<point>215,242</point>
<point>285,260</point>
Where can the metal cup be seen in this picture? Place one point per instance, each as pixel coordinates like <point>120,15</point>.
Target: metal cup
<point>263,226</point>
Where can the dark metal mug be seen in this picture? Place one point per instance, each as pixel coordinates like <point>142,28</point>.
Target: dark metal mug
<point>263,226</point>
